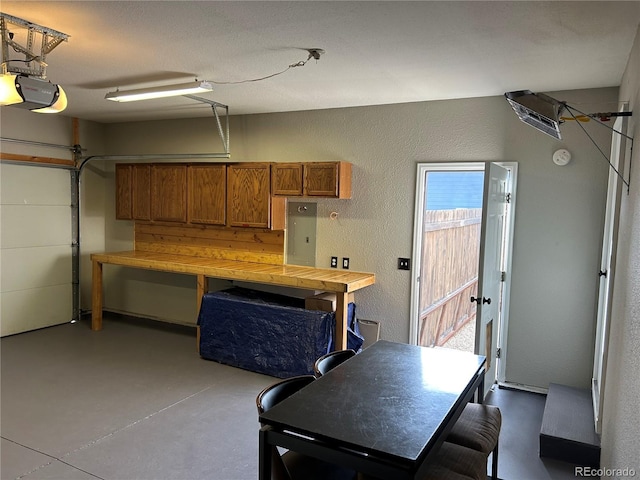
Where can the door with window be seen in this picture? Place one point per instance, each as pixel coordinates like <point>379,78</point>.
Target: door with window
<point>461,247</point>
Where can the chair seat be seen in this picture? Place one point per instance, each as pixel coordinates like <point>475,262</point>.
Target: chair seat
<point>478,428</point>
<point>455,462</point>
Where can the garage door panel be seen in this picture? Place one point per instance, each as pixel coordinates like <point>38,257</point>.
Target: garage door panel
<point>28,185</point>
<point>25,310</point>
<point>35,226</point>
<point>28,268</point>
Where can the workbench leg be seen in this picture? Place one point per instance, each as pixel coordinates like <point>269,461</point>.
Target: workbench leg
<point>202,287</point>
<point>96,297</point>
<point>342,320</point>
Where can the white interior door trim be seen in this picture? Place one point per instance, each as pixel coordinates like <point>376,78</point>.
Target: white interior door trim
<point>620,151</point>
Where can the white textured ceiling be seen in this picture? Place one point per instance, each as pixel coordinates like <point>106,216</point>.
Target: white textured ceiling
<point>376,52</point>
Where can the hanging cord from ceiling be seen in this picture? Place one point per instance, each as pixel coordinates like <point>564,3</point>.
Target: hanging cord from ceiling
<point>578,120</point>
<point>314,53</point>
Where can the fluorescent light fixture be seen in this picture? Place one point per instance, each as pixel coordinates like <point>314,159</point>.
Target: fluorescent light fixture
<point>31,93</point>
<point>538,110</point>
<point>158,92</point>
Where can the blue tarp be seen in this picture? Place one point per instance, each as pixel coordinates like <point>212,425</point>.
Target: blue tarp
<point>267,333</point>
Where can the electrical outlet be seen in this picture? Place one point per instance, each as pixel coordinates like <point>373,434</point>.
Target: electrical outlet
<point>345,263</point>
<point>334,262</point>
<point>404,264</point>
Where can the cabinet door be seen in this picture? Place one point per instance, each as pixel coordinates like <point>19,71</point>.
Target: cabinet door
<point>327,179</point>
<point>124,195</point>
<point>207,187</point>
<point>141,192</point>
<point>248,195</point>
<point>286,179</point>
<point>169,193</point>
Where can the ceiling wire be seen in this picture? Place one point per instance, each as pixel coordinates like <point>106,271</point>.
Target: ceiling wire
<point>313,53</point>
<point>569,109</point>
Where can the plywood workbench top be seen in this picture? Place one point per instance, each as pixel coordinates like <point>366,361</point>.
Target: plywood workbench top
<point>323,279</point>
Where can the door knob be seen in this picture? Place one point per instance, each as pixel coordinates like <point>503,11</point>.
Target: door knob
<point>486,300</point>
<point>476,300</point>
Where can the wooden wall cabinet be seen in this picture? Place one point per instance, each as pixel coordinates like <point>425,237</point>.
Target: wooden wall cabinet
<point>249,200</point>
<point>207,190</point>
<point>141,187</point>
<point>169,192</point>
<point>133,191</point>
<point>286,179</point>
<point>124,193</point>
<point>224,194</point>
<point>312,179</point>
<point>327,179</point>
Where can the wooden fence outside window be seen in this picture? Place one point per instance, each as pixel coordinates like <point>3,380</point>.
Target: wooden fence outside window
<point>449,273</point>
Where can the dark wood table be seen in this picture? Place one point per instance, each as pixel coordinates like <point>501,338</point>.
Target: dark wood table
<point>383,412</point>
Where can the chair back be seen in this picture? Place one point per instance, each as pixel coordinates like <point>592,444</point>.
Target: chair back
<point>331,360</point>
<point>277,392</point>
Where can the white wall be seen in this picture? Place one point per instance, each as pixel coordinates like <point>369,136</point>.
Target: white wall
<point>621,421</point>
<point>558,231</point>
<point>558,226</point>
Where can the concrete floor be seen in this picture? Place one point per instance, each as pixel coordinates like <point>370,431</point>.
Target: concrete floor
<point>135,401</point>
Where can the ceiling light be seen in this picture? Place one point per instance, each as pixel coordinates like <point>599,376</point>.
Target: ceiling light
<point>538,110</point>
<point>158,92</point>
<point>33,94</point>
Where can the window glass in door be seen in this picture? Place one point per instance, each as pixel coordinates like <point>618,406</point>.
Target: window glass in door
<point>450,243</point>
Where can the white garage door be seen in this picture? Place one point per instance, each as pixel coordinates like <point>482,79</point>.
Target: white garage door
<point>35,248</point>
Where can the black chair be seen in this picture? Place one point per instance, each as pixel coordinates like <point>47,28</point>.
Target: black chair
<point>331,360</point>
<point>292,465</point>
<point>278,391</point>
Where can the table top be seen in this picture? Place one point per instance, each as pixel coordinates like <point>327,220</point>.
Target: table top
<point>391,400</point>
<point>322,279</point>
